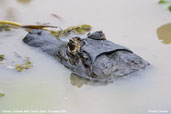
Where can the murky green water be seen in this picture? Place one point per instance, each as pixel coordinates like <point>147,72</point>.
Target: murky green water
<point>49,86</point>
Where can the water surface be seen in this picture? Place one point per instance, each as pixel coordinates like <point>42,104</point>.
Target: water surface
<point>48,85</point>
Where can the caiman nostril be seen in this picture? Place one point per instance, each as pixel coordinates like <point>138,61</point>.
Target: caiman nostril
<point>39,33</point>
<point>100,32</point>
<point>26,40</point>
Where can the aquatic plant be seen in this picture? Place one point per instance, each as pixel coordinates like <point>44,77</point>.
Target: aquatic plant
<point>167,3</point>
<point>2,57</point>
<point>2,94</point>
<point>80,29</point>
<point>7,25</point>
<point>25,66</point>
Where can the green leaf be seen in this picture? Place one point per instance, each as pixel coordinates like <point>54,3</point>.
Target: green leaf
<point>24,67</point>
<point>162,2</point>
<point>19,68</point>
<point>27,66</point>
<point>79,30</point>
<point>57,34</point>
<point>2,57</point>
<point>2,94</point>
<point>166,3</point>
<point>4,28</point>
<point>86,27</point>
<point>169,8</point>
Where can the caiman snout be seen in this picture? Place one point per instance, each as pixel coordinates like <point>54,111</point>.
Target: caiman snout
<point>44,41</point>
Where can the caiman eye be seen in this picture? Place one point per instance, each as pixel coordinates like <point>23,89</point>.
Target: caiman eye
<point>71,45</point>
<point>74,45</point>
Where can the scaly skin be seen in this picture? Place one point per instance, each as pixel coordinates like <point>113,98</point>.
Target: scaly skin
<point>93,57</point>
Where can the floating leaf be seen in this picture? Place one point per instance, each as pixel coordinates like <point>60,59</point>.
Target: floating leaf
<point>80,29</point>
<point>86,27</point>
<point>2,57</point>
<point>57,34</point>
<point>27,66</point>
<point>2,94</point>
<point>24,67</point>
<point>169,8</point>
<point>4,28</point>
<point>167,3</point>
<point>20,68</point>
<point>162,1</point>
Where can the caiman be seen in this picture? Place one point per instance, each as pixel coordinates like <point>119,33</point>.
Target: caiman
<point>93,57</point>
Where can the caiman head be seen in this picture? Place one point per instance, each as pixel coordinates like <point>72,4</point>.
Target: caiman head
<point>93,57</point>
<point>75,57</point>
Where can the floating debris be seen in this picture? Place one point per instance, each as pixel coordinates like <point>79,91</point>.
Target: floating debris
<point>9,24</point>
<point>4,27</point>
<point>20,63</point>
<point>38,26</point>
<point>56,16</point>
<point>24,67</point>
<point>80,29</point>
<point>2,94</point>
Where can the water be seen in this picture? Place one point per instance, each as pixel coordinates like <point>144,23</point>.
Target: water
<point>48,85</point>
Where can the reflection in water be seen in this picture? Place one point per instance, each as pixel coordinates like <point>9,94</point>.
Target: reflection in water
<point>24,1</point>
<point>164,33</point>
<point>79,81</point>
